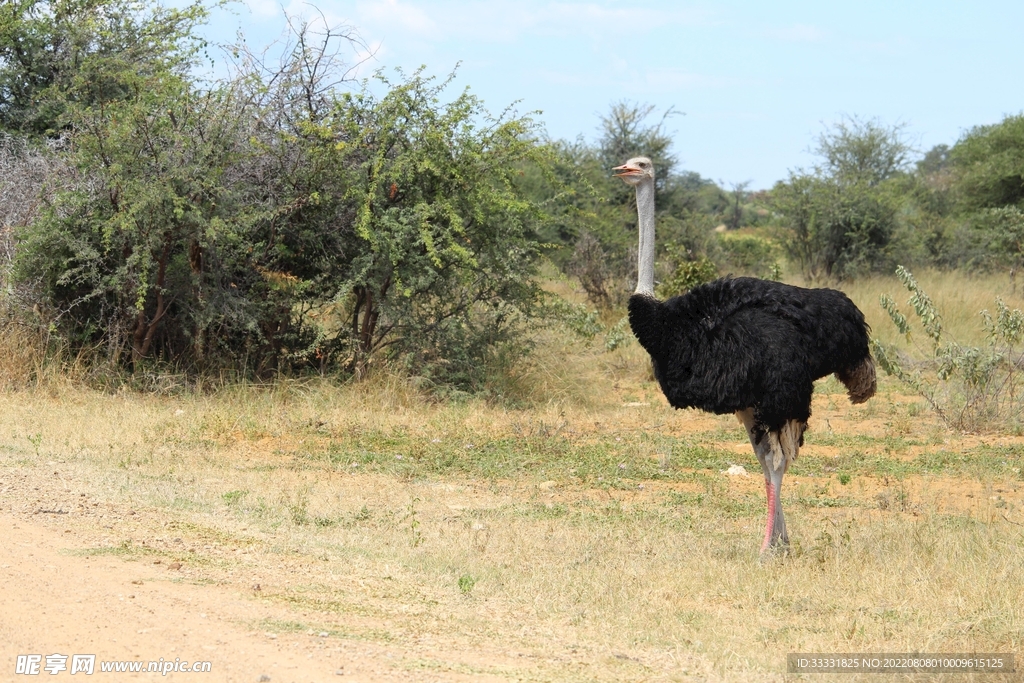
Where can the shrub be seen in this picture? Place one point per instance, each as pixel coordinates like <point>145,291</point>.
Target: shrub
<point>283,221</point>
<point>750,254</point>
<point>970,388</point>
<point>687,275</point>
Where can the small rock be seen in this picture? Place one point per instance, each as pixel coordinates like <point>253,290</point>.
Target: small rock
<point>157,561</point>
<point>272,636</point>
<point>323,634</point>
<point>736,471</point>
<point>174,565</point>
<point>256,588</point>
<point>264,678</point>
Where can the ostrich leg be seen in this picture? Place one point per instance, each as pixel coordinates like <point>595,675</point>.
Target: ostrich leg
<point>774,450</point>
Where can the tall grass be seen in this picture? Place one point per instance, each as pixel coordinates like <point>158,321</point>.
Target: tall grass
<point>972,385</point>
<point>959,296</point>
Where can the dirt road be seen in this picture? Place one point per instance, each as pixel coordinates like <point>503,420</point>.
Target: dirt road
<point>57,602</point>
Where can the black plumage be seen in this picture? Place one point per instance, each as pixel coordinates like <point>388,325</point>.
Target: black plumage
<point>739,343</point>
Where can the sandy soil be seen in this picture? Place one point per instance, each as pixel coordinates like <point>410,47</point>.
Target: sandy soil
<point>66,593</point>
<point>54,602</point>
<point>69,590</point>
<point>180,593</point>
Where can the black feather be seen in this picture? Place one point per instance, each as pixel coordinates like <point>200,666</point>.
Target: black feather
<point>739,343</point>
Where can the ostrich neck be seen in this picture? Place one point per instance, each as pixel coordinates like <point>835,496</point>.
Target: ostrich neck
<point>645,255</point>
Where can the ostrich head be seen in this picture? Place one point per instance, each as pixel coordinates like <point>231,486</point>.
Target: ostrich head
<point>639,172</point>
<point>635,171</point>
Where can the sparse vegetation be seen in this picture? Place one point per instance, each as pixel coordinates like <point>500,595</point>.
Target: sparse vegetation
<point>970,387</point>
<point>600,524</point>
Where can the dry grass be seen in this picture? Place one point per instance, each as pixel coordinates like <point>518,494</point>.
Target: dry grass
<point>586,538</point>
<point>643,567</point>
<point>959,299</point>
<point>21,356</point>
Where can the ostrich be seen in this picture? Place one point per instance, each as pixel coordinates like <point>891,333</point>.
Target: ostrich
<point>747,346</point>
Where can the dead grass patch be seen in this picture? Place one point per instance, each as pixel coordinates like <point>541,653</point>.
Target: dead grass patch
<point>611,541</point>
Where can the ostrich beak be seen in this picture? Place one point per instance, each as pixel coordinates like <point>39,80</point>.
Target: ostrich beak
<point>626,170</point>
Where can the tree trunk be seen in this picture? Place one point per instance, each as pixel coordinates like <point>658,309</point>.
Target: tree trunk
<point>144,330</point>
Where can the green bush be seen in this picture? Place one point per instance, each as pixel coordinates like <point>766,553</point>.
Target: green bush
<point>687,275</point>
<point>275,222</point>
<point>749,255</point>
<point>842,216</point>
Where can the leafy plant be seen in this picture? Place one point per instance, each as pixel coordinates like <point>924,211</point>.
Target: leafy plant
<point>415,535</point>
<point>284,219</point>
<point>842,216</point>
<point>617,335</point>
<point>970,388</point>
<point>751,254</point>
<point>466,583</point>
<point>582,321</point>
<point>687,275</point>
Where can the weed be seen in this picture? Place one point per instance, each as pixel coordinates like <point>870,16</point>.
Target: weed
<point>969,387</point>
<point>617,335</point>
<point>233,497</point>
<point>466,583</point>
<point>298,511</point>
<point>415,535</point>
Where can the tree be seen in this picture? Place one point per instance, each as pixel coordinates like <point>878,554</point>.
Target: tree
<point>854,151</point>
<point>81,53</point>
<point>625,133</point>
<point>739,195</point>
<point>935,160</point>
<point>146,251</point>
<point>446,240</point>
<point>989,163</point>
<point>843,215</point>
<point>983,186</point>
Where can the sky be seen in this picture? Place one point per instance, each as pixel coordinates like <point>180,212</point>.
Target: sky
<point>756,82</point>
